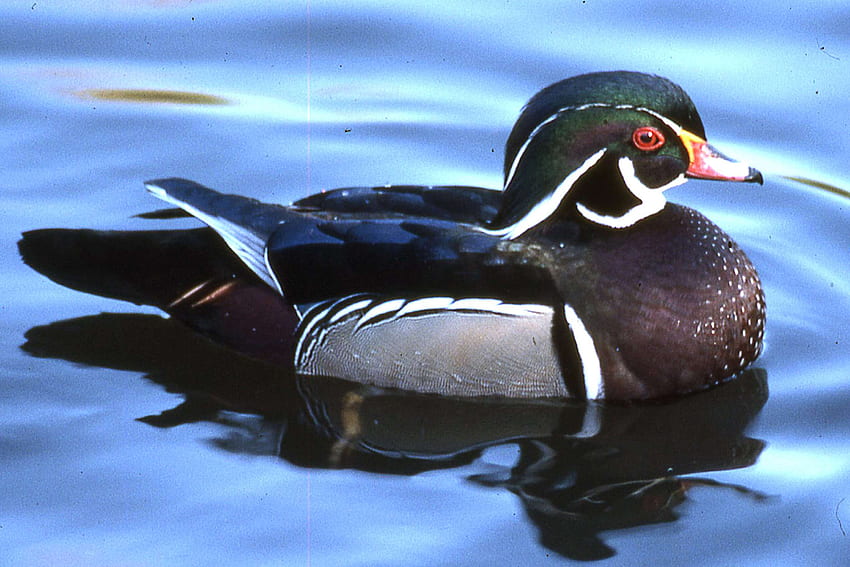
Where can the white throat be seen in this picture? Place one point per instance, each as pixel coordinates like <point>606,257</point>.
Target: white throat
<point>650,200</point>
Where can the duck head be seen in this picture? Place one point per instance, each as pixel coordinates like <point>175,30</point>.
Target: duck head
<point>603,148</point>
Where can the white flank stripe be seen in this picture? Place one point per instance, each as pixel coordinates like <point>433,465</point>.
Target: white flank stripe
<point>497,307</point>
<point>424,304</point>
<point>305,333</point>
<point>546,207</point>
<point>590,365</point>
<point>651,199</point>
<point>476,304</point>
<point>428,306</point>
<point>483,305</point>
<point>377,311</point>
<point>591,425</point>
<point>398,308</point>
<point>347,310</point>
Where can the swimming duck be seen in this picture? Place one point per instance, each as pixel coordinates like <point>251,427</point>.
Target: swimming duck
<point>577,280</point>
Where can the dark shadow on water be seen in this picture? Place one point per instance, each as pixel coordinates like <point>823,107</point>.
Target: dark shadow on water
<point>583,468</point>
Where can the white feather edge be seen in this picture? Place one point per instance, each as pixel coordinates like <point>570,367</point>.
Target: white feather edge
<point>249,247</point>
<point>396,308</point>
<point>320,316</point>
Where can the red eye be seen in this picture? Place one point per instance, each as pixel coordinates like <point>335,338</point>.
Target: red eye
<point>647,138</point>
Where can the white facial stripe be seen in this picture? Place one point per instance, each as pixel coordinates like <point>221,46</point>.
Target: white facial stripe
<point>651,200</point>
<point>670,124</point>
<point>524,146</point>
<point>547,207</point>
<point>650,203</point>
<point>590,365</point>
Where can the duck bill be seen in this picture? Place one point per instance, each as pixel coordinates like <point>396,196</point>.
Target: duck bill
<point>707,163</point>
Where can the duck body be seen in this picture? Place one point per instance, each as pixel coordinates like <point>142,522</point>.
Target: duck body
<point>400,287</point>
<point>673,298</point>
<point>578,279</point>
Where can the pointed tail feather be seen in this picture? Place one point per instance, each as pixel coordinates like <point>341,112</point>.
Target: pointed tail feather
<point>244,224</point>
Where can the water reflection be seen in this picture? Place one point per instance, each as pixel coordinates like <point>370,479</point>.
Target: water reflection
<point>583,469</point>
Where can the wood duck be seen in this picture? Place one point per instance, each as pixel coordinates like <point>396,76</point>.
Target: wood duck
<point>578,279</point>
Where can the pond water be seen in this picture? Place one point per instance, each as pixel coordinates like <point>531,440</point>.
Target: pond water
<point>127,440</point>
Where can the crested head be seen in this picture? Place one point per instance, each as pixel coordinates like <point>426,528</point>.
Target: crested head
<point>610,88</point>
<point>602,148</point>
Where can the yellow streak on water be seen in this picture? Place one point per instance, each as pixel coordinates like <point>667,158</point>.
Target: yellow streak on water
<point>153,96</point>
<point>820,185</point>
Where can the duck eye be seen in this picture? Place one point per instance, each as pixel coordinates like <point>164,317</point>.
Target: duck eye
<point>647,138</point>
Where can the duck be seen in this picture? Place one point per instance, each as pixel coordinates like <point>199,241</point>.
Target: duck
<point>578,279</point>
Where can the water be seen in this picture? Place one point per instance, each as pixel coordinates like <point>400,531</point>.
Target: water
<point>125,440</point>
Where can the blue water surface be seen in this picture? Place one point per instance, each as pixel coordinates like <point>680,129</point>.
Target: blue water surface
<point>281,100</point>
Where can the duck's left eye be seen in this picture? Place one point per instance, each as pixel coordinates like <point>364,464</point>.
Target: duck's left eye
<point>647,138</point>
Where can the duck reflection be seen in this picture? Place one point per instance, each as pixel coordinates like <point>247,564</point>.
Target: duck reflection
<point>583,468</point>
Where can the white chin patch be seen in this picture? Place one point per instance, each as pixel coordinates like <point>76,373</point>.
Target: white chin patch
<point>651,200</point>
